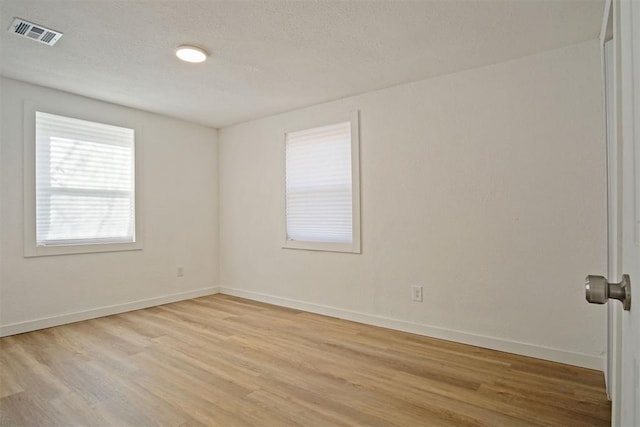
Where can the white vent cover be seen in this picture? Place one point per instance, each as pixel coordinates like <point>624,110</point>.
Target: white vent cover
<point>35,32</point>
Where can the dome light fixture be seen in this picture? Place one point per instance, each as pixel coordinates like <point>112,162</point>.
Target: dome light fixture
<point>190,53</point>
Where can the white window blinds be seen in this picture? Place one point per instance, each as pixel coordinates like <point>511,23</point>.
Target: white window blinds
<point>84,182</point>
<point>319,191</point>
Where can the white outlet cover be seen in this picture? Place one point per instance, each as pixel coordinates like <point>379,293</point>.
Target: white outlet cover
<point>416,293</point>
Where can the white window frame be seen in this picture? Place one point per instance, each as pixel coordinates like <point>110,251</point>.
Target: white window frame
<point>327,120</point>
<point>31,249</point>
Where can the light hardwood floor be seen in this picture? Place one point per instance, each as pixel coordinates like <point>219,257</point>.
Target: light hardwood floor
<point>226,361</point>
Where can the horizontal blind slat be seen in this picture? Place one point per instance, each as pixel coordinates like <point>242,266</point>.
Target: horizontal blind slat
<point>319,184</point>
<point>84,181</point>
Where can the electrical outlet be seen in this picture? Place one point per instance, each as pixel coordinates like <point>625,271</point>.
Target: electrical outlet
<point>180,272</point>
<point>416,293</point>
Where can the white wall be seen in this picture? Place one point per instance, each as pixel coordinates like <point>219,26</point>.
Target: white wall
<point>487,187</point>
<point>180,206</point>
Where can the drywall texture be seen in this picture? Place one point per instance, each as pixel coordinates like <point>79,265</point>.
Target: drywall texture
<point>487,187</point>
<point>273,56</point>
<point>180,207</point>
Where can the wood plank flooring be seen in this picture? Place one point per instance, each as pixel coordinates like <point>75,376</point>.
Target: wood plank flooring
<point>225,361</point>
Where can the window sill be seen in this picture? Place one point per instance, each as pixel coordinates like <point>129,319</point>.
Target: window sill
<point>37,251</point>
<point>324,247</point>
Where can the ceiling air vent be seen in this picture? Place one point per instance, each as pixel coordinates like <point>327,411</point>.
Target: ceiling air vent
<point>35,32</point>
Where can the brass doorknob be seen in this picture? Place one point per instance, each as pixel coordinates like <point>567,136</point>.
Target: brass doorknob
<point>599,290</point>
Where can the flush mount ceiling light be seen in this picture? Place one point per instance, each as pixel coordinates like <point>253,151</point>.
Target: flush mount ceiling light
<point>190,53</point>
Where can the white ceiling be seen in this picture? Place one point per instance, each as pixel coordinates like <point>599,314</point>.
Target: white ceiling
<point>277,55</point>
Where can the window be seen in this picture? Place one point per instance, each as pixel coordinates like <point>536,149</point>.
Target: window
<point>322,187</point>
<point>83,189</point>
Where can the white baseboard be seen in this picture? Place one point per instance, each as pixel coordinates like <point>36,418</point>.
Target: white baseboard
<point>525,349</point>
<point>62,319</point>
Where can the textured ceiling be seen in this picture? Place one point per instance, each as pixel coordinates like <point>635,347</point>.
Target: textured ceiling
<point>274,56</point>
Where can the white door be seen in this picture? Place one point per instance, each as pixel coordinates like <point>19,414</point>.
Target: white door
<point>622,67</point>
<point>629,61</point>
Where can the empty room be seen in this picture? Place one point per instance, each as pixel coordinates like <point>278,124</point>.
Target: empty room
<point>319,213</point>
